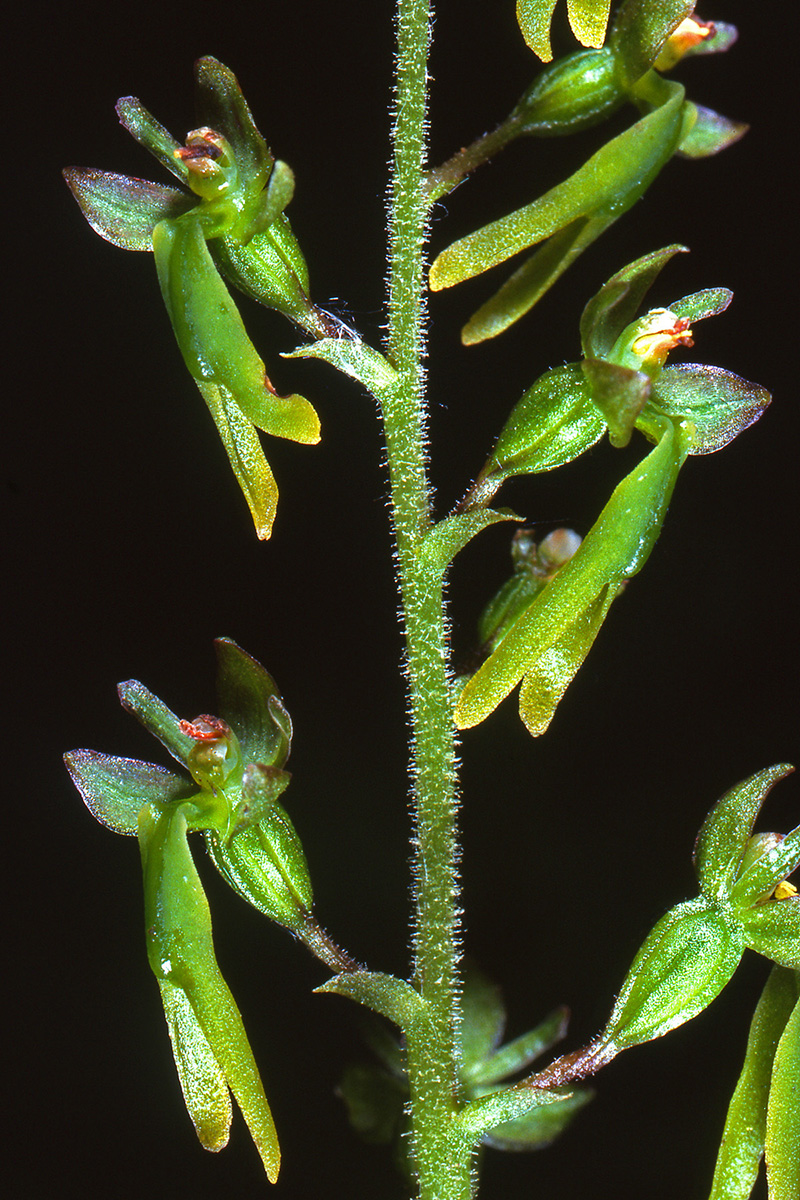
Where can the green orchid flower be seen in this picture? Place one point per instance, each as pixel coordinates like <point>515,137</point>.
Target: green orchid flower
<point>235,774</point>
<point>576,92</point>
<point>746,901</point>
<point>540,635</point>
<point>231,222</point>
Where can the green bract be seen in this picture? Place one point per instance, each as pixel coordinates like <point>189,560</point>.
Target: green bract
<point>694,950</point>
<point>692,953</point>
<point>575,92</point>
<point>376,1095</point>
<point>235,777</point>
<point>233,222</point>
<point>541,636</point>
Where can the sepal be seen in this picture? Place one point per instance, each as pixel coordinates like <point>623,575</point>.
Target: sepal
<point>640,31</point>
<point>115,789</point>
<point>710,133</point>
<point>615,305</point>
<point>722,842</point>
<point>251,702</point>
<point>222,106</point>
<point>123,210</point>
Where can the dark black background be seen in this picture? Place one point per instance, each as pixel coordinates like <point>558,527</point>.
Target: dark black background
<point>130,549</point>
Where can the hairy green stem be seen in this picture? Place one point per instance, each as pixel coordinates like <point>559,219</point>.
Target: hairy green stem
<point>443,1173</point>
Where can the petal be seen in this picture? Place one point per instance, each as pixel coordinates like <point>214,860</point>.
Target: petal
<point>620,394</point>
<point>710,302</point>
<point>773,929</point>
<point>767,871</point>
<point>711,133</point>
<point>152,135</point>
<point>157,719</point>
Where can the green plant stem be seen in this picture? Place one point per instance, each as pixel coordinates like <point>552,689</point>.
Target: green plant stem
<point>444,178</point>
<point>443,1172</point>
